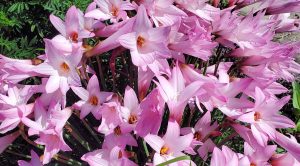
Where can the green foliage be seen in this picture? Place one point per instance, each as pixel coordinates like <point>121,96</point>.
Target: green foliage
<point>24,24</point>
<point>175,160</point>
<point>296,103</point>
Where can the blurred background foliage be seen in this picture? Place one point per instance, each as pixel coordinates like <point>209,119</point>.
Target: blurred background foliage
<point>24,24</point>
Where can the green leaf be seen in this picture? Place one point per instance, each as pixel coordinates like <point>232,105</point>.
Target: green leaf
<point>296,95</point>
<point>298,126</point>
<point>175,160</point>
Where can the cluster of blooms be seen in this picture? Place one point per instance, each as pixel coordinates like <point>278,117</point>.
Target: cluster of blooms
<point>236,70</point>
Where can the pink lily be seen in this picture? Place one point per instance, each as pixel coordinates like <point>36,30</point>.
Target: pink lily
<point>92,98</point>
<point>112,10</point>
<point>108,157</point>
<point>49,127</point>
<point>201,130</point>
<point>151,116</point>
<point>264,117</point>
<point>130,111</point>
<point>290,144</point>
<point>175,93</point>
<point>224,157</point>
<point>170,145</point>
<point>163,12</point>
<point>199,8</point>
<point>145,43</point>
<point>71,28</point>
<point>284,159</point>
<point>35,160</point>
<point>60,68</point>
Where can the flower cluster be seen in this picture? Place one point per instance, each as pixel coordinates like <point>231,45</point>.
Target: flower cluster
<point>185,61</point>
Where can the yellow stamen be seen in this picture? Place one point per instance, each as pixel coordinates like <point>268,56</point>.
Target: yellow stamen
<point>117,130</point>
<point>257,116</point>
<point>93,100</point>
<point>140,41</point>
<point>65,67</point>
<point>132,119</point>
<point>164,150</point>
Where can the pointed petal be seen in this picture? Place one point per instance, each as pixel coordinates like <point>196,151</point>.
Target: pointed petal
<point>58,24</point>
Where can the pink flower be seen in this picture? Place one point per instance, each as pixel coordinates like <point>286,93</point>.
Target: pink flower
<point>151,116</point>
<point>112,10</point>
<point>35,160</point>
<point>61,68</point>
<point>170,145</point>
<point>115,156</point>
<point>201,130</point>
<point>224,157</point>
<point>49,127</point>
<point>92,98</point>
<point>163,12</point>
<point>145,43</point>
<point>71,28</point>
<point>290,144</point>
<point>264,117</point>
<point>192,38</point>
<point>284,159</point>
<point>259,155</point>
<point>175,93</point>
<point>130,111</point>
<point>199,8</point>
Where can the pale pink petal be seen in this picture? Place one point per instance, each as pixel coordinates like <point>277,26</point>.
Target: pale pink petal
<point>130,99</point>
<point>93,85</point>
<point>142,20</point>
<point>72,21</point>
<point>53,84</point>
<point>81,92</point>
<point>155,142</point>
<point>98,14</point>
<point>128,41</point>
<point>58,24</point>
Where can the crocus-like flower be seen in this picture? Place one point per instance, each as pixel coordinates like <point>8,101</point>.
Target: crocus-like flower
<point>201,130</point>
<point>224,157</point>
<point>115,156</point>
<point>170,145</point>
<point>61,68</point>
<point>35,160</point>
<point>163,12</point>
<point>175,93</point>
<point>131,111</point>
<point>92,98</point>
<point>151,116</point>
<point>111,9</point>
<point>71,28</point>
<point>145,43</point>
<point>264,117</point>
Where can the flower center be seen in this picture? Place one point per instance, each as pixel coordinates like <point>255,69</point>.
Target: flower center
<point>93,100</point>
<point>257,116</point>
<point>132,119</point>
<point>120,155</point>
<point>140,41</point>
<point>36,61</point>
<point>114,11</point>
<point>197,136</point>
<point>74,36</point>
<point>252,164</point>
<point>117,130</point>
<point>65,67</point>
<point>164,150</point>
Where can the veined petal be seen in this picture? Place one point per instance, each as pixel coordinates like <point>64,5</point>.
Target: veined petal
<point>72,21</point>
<point>53,84</point>
<point>98,15</point>
<point>142,21</point>
<point>130,99</point>
<point>81,92</point>
<point>154,141</point>
<point>58,24</point>
<point>129,41</point>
